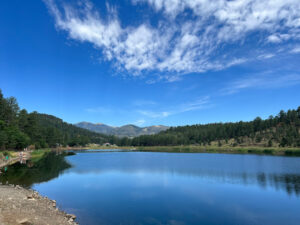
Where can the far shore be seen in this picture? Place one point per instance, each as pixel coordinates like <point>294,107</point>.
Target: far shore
<point>35,155</point>
<point>290,151</point>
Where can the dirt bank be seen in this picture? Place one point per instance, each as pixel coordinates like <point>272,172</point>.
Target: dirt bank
<point>27,207</point>
<point>15,157</point>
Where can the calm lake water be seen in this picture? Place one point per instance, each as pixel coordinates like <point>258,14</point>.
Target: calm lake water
<point>168,188</point>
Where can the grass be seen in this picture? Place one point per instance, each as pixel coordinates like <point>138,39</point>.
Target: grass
<point>289,151</point>
<point>10,154</point>
<point>213,149</point>
<point>38,154</point>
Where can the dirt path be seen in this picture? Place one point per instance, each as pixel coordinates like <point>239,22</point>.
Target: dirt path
<point>9,162</point>
<point>22,156</point>
<point>27,207</point>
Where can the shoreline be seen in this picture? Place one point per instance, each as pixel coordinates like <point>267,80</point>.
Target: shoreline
<point>199,149</point>
<point>19,205</point>
<point>224,150</point>
<point>35,155</point>
<point>9,162</point>
<point>26,206</point>
<point>25,156</point>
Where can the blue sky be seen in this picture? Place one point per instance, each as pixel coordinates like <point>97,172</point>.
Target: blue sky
<point>148,62</point>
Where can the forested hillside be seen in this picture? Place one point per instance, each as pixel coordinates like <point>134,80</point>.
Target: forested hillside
<point>19,129</point>
<point>279,131</point>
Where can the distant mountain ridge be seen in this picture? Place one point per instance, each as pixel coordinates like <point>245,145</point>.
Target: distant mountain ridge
<point>123,131</point>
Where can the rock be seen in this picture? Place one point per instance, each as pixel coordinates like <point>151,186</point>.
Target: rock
<point>53,203</point>
<point>23,221</point>
<point>15,204</point>
<point>71,216</point>
<point>30,197</point>
<point>35,195</point>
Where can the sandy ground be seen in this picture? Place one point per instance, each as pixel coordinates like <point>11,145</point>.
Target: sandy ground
<point>27,207</point>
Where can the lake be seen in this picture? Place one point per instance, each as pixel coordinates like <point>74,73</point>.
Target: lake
<point>125,188</point>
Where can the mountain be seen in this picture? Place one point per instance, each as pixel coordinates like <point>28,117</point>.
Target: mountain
<point>98,127</point>
<point>123,131</point>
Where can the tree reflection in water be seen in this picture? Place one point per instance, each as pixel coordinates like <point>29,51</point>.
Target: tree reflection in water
<point>47,168</point>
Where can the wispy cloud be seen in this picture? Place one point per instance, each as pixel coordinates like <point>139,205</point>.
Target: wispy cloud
<point>266,56</point>
<point>154,114</point>
<point>100,109</point>
<point>179,44</point>
<point>265,80</point>
<point>295,50</point>
<point>200,103</point>
<point>139,122</point>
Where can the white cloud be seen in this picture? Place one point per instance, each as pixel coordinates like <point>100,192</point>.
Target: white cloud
<point>274,38</point>
<point>266,56</point>
<point>238,16</point>
<point>295,50</point>
<point>178,44</point>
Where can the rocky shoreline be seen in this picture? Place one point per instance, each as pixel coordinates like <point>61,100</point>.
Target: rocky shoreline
<point>27,207</point>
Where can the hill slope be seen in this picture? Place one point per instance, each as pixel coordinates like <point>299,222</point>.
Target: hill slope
<point>280,131</point>
<point>123,131</point>
<point>18,129</point>
<point>98,127</point>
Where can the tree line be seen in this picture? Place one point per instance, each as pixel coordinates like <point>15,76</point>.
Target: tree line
<point>282,130</point>
<point>20,129</point>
